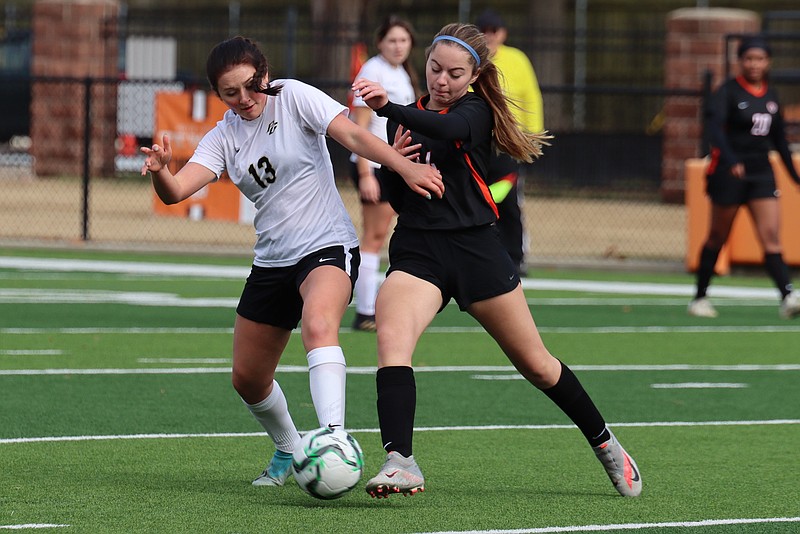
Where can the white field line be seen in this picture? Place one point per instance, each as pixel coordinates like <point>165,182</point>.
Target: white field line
<point>226,272</point>
<point>656,424</point>
<point>126,267</point>
<point>368,370</point>
<point>206,361</point>
<point>629,526</point>
<point>115,331</point>
<point>430,330</point>
<point>701,385</point>
<point>150,298</point>
<point>32,352</point>
<point>29,526</point>
<point>133,298</point>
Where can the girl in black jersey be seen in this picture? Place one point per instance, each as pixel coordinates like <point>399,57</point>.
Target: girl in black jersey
<point>745,123</point>
<point>448,247</point>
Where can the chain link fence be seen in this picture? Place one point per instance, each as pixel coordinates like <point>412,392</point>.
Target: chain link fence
<point>573,213</point>
<point>592,198</point>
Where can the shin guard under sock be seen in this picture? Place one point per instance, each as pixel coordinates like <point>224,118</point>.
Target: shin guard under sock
<point>779,272</point>
<point>569,395</point>
<point>397,401</point>
<point>705,270</point>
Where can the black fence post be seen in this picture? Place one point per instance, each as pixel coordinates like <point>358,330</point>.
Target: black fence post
<point>705,141</point>
<point>87,143</point>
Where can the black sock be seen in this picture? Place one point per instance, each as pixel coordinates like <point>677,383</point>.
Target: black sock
<point>569,395</point>
<point>708,259</point>
<point>777,270</point>
<point>397,402</point>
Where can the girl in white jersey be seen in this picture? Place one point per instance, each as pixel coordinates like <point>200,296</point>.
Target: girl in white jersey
<point>272,144</point>
<point>392,69</point>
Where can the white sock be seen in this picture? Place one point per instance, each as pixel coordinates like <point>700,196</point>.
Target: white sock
<point>273,414</point>
<point>326,376</point>
<point>367,283</point>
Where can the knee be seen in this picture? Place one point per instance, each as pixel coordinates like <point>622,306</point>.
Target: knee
<point>771,242</point>
<point>250,388</point>
<point>540,379</point>
<point>715,241</point>
<point>542,372</point>
<point>319,330</point>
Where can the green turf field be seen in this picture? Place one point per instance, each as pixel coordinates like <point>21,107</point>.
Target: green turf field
<point>117,413</point>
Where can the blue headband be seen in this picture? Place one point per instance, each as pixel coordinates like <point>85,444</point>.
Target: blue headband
<point>462,43</point>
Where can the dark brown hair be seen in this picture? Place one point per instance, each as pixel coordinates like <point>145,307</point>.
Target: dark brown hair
<point>238,51</point>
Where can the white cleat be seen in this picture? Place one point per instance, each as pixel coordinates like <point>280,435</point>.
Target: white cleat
<point>702,307</point>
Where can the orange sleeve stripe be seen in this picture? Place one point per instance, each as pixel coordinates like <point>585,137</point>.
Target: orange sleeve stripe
<point>487,195</point>
<point>712,166</point>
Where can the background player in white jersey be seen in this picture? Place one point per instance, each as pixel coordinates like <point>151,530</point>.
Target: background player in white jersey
<point>272,144</point>
<point>392,69</point>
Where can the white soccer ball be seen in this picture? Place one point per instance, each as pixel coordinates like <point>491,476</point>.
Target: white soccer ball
<point>327,463</point>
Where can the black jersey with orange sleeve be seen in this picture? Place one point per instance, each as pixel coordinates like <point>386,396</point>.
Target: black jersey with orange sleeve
<point>459,141</point>
<point>745,123</point>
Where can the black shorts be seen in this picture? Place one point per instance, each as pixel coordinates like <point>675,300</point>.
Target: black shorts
<point>272,295</point>
<point>724,189</point>
<point>468,265</point>
<point>354,176</point>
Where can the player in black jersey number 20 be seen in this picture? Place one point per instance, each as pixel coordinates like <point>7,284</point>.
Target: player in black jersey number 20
<point>745,122</point>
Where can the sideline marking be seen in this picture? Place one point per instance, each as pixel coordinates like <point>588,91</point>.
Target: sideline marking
<point>373,370</point>
<point>111,437</point>
<point>628,526</point>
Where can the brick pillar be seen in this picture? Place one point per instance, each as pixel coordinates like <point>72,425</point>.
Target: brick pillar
<point>695,44</point>
<point>73,39</point>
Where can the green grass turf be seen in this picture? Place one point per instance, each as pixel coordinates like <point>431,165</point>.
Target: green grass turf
<point>477,479</point>
<point>503,479</point>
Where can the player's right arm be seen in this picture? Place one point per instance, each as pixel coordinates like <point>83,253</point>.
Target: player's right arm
<point>423,179</point>
<point>170,188</point>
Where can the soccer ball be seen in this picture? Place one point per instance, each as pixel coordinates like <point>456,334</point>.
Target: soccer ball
<point>327,463</point>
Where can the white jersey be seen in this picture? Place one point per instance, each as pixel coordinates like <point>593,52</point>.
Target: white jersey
<point>281,163</point>
<point>398,87</point>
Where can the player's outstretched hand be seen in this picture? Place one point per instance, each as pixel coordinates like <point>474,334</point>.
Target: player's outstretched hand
<point>157,156</point>
<point>373,93</point>
<point>402,143</point>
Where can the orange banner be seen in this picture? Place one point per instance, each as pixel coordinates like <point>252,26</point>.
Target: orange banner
<point>185,118</point>
<point>743,246</point>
